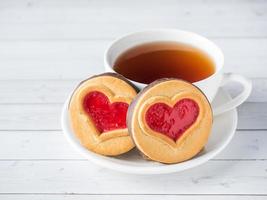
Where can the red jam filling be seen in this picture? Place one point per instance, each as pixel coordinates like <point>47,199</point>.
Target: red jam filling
<point>105,115</point>
<point>172,122</point>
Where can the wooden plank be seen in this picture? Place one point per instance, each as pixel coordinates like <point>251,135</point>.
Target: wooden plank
<point>128,197</point>
<point>36,91</point>
<point>47,116</point>
<point>23,145</point>
<point>252,116</point>
<point>33,46</point>
<point>36,145</point>
<point>57,91</point>
<point>221,177</point>
<point>77,59</point>
<point>94,19</point>
<point>30,117</point>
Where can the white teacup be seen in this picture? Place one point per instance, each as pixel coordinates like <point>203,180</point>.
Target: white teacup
<point>209,85</point>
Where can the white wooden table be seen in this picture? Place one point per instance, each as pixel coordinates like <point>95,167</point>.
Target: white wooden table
<point>46,47</point>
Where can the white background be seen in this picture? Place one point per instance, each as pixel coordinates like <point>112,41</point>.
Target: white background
<point>46,47</point>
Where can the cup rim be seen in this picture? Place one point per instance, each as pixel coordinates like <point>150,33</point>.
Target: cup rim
<point>219,51</point>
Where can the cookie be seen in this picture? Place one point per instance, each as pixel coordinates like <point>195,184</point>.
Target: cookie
<point>170,120</point>
<point>98,109</point>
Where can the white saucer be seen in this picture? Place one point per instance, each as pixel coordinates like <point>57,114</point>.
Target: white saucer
<point>223,130</point>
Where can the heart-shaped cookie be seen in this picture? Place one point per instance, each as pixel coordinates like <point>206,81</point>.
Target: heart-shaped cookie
<point>170,120</point>
<point>105,115</point>
<point>98,110</point>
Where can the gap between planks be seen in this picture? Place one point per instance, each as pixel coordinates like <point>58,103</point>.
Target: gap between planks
<point>121,194</point>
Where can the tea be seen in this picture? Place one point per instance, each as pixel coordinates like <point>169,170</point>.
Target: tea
<point>150,61</point>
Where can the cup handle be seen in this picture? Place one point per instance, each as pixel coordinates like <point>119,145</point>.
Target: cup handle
<point>239,99</point>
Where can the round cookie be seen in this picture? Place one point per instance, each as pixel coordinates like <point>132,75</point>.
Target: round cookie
<point>98,109</point>
<point>170,120</point>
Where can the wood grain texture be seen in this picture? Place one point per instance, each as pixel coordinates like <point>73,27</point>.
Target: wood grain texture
<point>214,177</point>
<point>30,117</point>
<point>106,19</point>
<point>252,116</point>
<point>128,197</point>
<point>52,145</point>
<point>36,91</point>
<point>47,47</point>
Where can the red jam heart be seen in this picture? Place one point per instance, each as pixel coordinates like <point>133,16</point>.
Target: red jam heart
<point>172,122</point>
<point>105,115</point>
